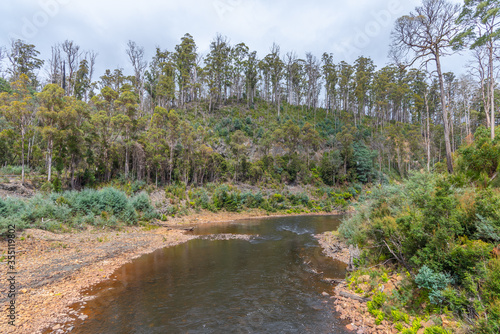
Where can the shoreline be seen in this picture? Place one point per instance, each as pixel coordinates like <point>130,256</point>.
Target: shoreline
<point>55,268</point>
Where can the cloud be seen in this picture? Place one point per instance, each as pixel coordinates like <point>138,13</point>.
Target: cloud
<point>346,28</point>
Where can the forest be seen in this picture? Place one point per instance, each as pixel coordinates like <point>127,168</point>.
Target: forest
<point>230,115</point>
<point>414,151</point>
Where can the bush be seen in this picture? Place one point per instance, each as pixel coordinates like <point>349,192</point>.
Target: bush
<point>433,282</point>
<point>107,206</point>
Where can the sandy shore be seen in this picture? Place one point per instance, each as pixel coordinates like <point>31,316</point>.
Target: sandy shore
<point>53,268</point>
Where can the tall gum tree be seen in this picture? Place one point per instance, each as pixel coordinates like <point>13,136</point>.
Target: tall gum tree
<point>427,35</point>
<point>18,108</point>
<point>482,21</point>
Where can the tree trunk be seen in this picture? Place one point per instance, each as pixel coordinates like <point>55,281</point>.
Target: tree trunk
<point>22,156</point>
<point>449,159</point>
<point>49,158</point>
<point>492,93</point>
<point>126,160</point>
<point>428,135</point>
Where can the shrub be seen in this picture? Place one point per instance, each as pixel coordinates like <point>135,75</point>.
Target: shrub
<point>433,282</point>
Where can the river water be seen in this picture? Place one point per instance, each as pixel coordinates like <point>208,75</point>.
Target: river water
<point>268,284</point>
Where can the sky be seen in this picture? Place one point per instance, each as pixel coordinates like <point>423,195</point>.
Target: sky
<point>347,29</point>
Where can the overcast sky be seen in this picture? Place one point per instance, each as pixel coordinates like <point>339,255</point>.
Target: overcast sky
<point>345,28</point>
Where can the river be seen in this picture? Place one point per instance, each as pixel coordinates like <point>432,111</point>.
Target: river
<point>271,283</point>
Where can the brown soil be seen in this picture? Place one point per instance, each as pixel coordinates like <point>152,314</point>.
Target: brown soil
<point>14,188</point>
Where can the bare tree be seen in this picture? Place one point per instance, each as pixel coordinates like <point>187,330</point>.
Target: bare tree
<point>55,65</point>
<point>136,56</point>
<point>466,88</point>
<point>482,18</point>
<point>91,57</point>
<point>478,68</point>
<point>72,52</point>
<point>2,57</point>
<point>289,59</point>
<point>428,35</point>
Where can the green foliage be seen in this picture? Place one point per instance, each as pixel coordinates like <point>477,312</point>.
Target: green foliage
<point>107,206</point>
<point>362,159</point>
<point>13,170</point>
<point>480,157</point>
<point>436,330</point>
<point>434,282</point>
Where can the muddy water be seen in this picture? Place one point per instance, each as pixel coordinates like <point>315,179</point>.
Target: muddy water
<point>270,283</point>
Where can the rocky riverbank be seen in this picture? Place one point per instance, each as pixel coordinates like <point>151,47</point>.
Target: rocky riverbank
<point>349,305</point>
<point>53,268</point>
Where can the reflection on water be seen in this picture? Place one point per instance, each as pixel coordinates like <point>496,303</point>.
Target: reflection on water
<point>270,284</point>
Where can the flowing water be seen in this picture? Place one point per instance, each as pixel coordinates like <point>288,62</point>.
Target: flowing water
<point>268,284</point>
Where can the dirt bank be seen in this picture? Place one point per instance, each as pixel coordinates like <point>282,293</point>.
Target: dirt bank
<point>53,268</point>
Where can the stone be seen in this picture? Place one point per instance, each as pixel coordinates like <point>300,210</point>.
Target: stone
<point>56,327</point>
<point>324,293</point>
<point>365,287</point>
<point>364,278</point>
<point>428,324</point>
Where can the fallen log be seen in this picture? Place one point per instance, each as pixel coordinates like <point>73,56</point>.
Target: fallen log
<point>333,280</point>
<point>351,296</point>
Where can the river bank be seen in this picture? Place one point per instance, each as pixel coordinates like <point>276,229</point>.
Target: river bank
<point>348,304</point>
<point>53,268</point>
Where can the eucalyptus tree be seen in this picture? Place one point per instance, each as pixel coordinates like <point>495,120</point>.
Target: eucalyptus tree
<point>82,81</point>
<point>364,69</point>
<point>216,66</point>
<point>135,54</point>
<point>331,78</point>
<point>52,103</point>
<point>126,121</point>
<point>298,81</point>
<point>429,34</point>
<point>239,54</point>
<point>289,59</point>
<point>346,72</point>
<point>18,108</point>
<point>2,56</point>
<point>24,60</point>
<point>160,79</point>
<point>478,69</point>
<point>55,66</point>
<point>185,61</point>
<point>482,18</point>
<point>312,71</point>
<point>382,86</point>
<point>273,69</point>
<point>72,52</point>
<point>251,66</point>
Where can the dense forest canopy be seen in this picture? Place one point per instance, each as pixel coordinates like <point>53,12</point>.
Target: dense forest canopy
<point>234,115</point>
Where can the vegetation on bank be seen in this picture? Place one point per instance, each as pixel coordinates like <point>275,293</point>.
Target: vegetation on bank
<point>71,209</point>
<point>439,232</point>
<point>128,203</point>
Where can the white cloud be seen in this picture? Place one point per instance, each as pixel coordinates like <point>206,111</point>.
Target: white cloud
<point>346,28</point>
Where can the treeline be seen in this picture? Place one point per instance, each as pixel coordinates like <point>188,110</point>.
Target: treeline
<point>230,115</point>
